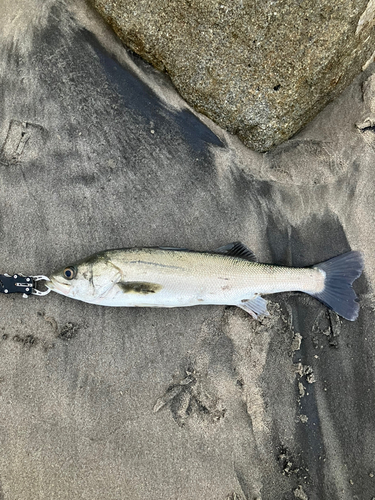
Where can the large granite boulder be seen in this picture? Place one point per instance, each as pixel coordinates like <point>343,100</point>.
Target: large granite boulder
<point>261,70</point>
<point>98,151</point>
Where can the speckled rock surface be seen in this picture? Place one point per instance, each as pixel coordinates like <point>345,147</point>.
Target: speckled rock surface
<point>261,70</point>
<point>97,151</point>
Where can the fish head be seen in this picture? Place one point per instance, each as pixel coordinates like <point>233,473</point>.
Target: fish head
<point>87,280</point>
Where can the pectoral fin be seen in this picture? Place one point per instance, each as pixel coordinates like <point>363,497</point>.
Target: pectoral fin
<point>140,287</point>
<point>254,307</point>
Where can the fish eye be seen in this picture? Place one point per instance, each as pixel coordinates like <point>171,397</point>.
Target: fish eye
<point>70,272</point>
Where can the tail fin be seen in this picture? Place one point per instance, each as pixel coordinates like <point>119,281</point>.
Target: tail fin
<point>338,293</point>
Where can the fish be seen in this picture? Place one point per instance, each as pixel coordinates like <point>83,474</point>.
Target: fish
<point>229,275</point>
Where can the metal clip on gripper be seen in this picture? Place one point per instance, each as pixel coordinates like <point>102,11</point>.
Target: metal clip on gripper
<point>21,284</point>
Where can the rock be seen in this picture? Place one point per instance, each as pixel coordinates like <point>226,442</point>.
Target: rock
<point>262,70</point>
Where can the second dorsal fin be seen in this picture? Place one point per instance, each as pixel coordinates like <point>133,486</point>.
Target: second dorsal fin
<point>237,249</point>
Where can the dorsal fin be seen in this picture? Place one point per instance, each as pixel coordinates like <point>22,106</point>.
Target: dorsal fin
<point>237,249</point>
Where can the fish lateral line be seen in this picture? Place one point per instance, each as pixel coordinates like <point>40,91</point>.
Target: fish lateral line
<point>155,264</point>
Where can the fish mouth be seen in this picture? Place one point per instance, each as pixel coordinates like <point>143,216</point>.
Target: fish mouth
<point>57,286</point>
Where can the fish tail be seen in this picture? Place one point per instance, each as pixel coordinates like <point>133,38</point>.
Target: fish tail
<point>338,294</point>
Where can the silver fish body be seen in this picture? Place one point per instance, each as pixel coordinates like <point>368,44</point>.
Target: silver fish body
<point>163,277</point>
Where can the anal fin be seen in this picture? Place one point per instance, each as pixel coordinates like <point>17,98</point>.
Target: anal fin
<point>255,307</point>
